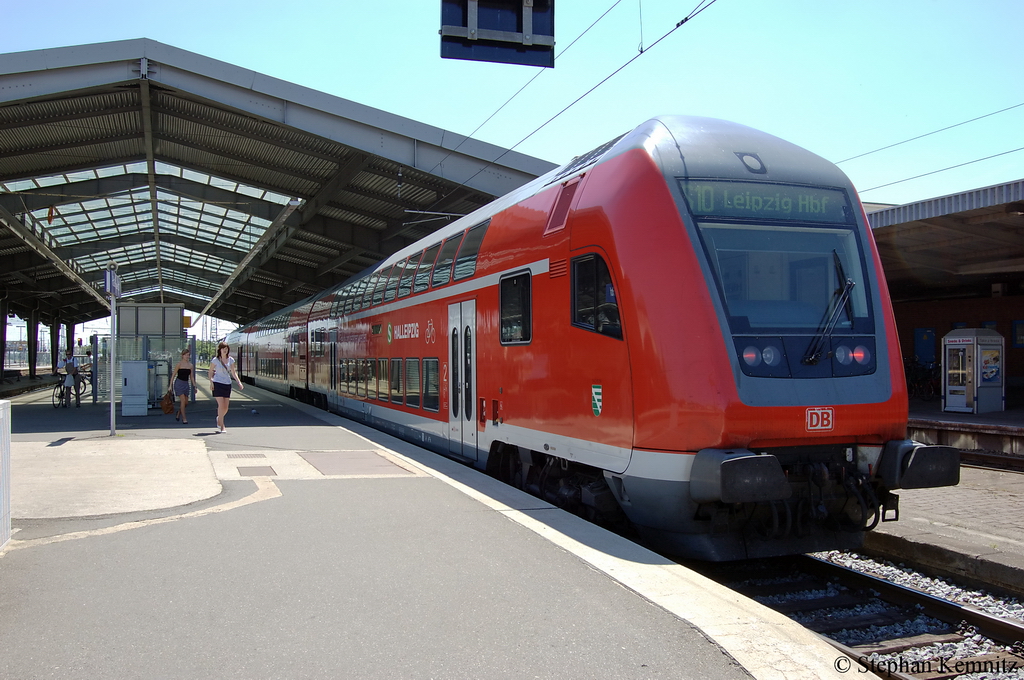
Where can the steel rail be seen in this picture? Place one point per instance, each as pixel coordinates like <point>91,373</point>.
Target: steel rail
<point>1003,631</point>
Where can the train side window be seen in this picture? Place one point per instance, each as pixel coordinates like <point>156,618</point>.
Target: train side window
<point>412,383</point>
<point>319,342</point>
<point>396,381</point>
<point>443,266</point>
<point>352,294</point>
<point>594,306</point>
<point>343,375</point>
<point>405,287</point>
<point>465,263</point>
<point>338,305</point>
<point>382,379</point>
<point>360,377</point>
<point>431,385</point>
<point>391,292</point>
<point>378,292</point>
<point>368,291</point>
<point>426,264</point>
<point>350,371</point>
<point>516,324</point>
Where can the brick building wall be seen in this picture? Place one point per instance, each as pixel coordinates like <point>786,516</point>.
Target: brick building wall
<point>975,313</point>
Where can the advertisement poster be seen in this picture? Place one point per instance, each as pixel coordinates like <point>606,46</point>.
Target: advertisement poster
<point>990,368</point>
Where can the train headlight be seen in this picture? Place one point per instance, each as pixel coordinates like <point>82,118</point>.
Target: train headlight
<point>853,356</point>
<point>762,357</point>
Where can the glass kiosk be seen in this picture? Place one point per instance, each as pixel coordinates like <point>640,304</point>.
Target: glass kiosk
<point>972,371</point>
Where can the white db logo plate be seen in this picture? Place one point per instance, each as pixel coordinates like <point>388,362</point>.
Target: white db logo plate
<point>820,419</point>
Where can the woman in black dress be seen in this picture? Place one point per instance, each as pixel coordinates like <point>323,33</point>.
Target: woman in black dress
<point>183,383</point>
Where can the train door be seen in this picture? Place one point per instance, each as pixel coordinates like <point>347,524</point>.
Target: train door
<point>462,433</point>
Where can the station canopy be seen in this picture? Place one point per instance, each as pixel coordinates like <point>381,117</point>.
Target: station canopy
<point>210,185</point>
<point>964,245</point>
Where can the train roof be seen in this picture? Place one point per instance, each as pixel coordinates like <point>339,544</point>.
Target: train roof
<point>684,146</point>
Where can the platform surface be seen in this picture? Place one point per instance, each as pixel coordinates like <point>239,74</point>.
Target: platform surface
<point>300,544</point>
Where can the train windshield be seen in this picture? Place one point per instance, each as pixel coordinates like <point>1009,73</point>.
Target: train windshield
<point>783,273</point>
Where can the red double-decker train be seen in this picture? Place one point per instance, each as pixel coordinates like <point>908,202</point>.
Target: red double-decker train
<point>687,329</point>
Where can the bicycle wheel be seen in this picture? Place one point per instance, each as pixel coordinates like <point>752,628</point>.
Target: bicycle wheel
<point>928,391</point>
<point>57,394</point>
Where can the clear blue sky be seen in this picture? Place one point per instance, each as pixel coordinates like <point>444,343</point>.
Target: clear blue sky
<point>838,78</point>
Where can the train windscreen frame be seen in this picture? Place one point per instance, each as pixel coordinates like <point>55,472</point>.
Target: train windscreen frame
<point>778,262</point>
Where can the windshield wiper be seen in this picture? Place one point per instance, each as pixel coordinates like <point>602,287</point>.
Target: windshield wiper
<point>828,322</point>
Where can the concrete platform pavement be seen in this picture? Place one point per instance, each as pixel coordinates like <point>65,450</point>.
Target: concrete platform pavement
<point>246,555</point>
<point>973,532</point>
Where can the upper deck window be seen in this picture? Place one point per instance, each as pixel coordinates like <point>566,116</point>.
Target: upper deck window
<point>391,292</point>
<point>465,263</point>
<point>371,285</point>
<point>426,265</point>
<point>443,266</point>
<point>405,287</point>
<point>378,292</point>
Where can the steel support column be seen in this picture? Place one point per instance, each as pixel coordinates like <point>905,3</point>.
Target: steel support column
<point>4,311</point>
<point>32,339</point>
<point>54,344</point>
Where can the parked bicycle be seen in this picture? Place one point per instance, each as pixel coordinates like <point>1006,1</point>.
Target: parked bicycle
<point>59,392</point>
<point>923,379</point>
<point>62,392</point>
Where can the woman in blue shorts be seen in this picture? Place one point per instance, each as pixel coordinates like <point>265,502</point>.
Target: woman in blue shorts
<point>222,370</point>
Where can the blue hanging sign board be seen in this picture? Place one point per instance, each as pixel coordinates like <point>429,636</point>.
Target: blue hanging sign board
<point>501,31</point>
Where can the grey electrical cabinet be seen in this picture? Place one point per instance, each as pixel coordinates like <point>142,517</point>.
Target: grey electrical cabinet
<point>135,390</point>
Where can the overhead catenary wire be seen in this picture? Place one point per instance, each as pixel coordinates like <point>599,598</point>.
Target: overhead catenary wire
<point>933,172</point>
<point>528,83</point>
<point>928,134</point>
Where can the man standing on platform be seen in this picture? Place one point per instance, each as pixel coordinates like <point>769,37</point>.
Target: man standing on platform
<point>70,365</point>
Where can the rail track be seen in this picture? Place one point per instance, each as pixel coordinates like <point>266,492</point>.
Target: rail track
<point>890,630</point>
<point>992,460</point>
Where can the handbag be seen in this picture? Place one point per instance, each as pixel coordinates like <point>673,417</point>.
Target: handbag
<point>167,403</point>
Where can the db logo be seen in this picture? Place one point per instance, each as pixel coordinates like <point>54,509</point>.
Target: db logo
<point>820,419</point>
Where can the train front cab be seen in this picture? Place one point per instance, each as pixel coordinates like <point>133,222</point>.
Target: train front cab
<point>771,409</point>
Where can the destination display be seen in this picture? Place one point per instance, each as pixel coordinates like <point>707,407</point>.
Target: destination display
<point>720,198</point>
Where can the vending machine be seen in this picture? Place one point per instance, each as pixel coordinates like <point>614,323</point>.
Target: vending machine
<point>972,371</point>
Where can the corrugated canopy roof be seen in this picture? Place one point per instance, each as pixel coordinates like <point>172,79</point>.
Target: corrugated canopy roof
<point>953,246</point>
<point>210,185</point>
